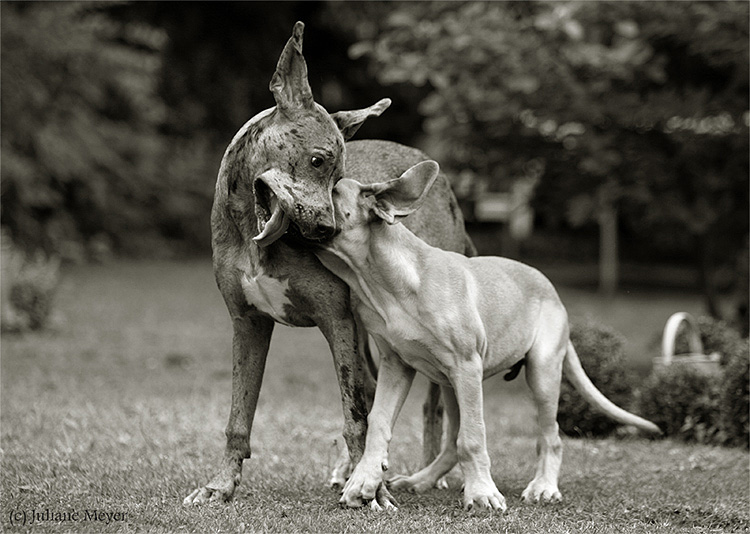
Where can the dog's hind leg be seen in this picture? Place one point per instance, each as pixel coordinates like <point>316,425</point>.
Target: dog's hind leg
<point>448,457</point>
<point>432,420</point>
<point>543,374</point>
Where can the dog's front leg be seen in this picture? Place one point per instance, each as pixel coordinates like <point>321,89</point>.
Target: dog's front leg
<point>343,464</point>
<point>340,331</point>
<point>366,481</point>
<point>250,341</point>
<point>479,489</point>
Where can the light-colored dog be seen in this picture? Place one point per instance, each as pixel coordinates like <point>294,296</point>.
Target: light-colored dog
<point>458,320</point>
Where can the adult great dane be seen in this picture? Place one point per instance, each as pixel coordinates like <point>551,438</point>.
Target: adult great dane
<point>273,193</point>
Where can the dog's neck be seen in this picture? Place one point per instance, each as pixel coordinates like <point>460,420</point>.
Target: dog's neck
<point>234,198</point>
<point>378,262</point>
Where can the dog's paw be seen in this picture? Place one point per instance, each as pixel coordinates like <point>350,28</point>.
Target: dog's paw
<point>364,486</point>
<point>442,483</point>
<point>541,491</point>
<point>383,500</point>
<point>338,475</point>
<point>340,471</point>
<point>209,493</point>
<point>412,484</point>
<point>483,497</point>
<point>220,488</point>
<point>336,482</point>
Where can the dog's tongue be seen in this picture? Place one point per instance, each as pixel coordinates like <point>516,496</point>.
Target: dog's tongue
<point>275,227</point>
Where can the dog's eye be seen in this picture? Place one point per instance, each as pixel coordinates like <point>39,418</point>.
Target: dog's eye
<point>316,161</point>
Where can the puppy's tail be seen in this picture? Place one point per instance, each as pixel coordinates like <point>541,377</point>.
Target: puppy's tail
<point>577,376</point>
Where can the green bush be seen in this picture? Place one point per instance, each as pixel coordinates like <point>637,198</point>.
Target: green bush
<point>734,400</point>
<point>697,404</point>
<point>603,358</point>
<point>716,336</point>
<point>29,285</point>
<point>683,401</point>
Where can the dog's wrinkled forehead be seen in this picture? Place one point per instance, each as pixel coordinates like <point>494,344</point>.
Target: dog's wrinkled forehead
<point>311,142</point>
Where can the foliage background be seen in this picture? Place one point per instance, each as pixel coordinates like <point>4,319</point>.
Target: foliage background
<point>115,116</point>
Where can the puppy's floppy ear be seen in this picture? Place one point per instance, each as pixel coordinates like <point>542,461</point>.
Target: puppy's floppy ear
<point>403,195</point>
<point>350,121</point>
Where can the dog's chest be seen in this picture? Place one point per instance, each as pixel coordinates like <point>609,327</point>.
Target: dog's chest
<point>266,293</point>
<point>409,340</point>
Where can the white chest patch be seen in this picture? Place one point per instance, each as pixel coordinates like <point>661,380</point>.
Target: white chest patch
<point>267,294</point>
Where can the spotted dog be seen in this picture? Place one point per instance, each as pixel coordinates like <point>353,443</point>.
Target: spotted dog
<point>273,195</point>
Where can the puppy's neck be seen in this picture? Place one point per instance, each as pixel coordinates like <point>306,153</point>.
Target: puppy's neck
<point>379,262</point>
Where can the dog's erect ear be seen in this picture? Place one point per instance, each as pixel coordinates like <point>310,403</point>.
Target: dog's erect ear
<point>403,195</point>
<point>289,84</point>
<point>350,121</point>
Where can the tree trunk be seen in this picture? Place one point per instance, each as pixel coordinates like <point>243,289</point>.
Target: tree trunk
<point>704,255</point>
<point>608,248</point>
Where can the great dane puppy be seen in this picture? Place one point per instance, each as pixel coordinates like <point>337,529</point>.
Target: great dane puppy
<point>273,193</point>
<point>457,320</point>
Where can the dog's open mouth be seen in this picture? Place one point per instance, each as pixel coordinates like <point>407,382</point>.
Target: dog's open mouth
<point>272,220</point>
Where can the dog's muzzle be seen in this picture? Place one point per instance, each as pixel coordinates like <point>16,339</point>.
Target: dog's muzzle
<point>273,202</point>
<point>276,220</point>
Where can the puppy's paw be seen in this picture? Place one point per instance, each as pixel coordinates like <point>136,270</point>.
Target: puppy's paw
<point>484,497</point>
<point>541,491</point>
<point>412,484</point>
<point>383,501</point>
<point>363,486</point>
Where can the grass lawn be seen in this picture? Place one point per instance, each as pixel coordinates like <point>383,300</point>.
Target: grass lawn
<point>121,409</point>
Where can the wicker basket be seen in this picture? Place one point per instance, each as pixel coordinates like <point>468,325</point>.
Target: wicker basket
<point>696,357</point>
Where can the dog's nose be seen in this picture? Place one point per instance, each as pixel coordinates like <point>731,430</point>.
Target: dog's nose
<point>324,231</point>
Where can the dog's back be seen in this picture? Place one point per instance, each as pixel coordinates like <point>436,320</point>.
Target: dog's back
<point>514,302</point>
<point>509,284</point>
<point>439,221</point>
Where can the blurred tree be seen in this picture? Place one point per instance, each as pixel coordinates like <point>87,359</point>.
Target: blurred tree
<point>219,57</point>
<point>637,110</point>
<point>83,159</point>
<point>115,115</point>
